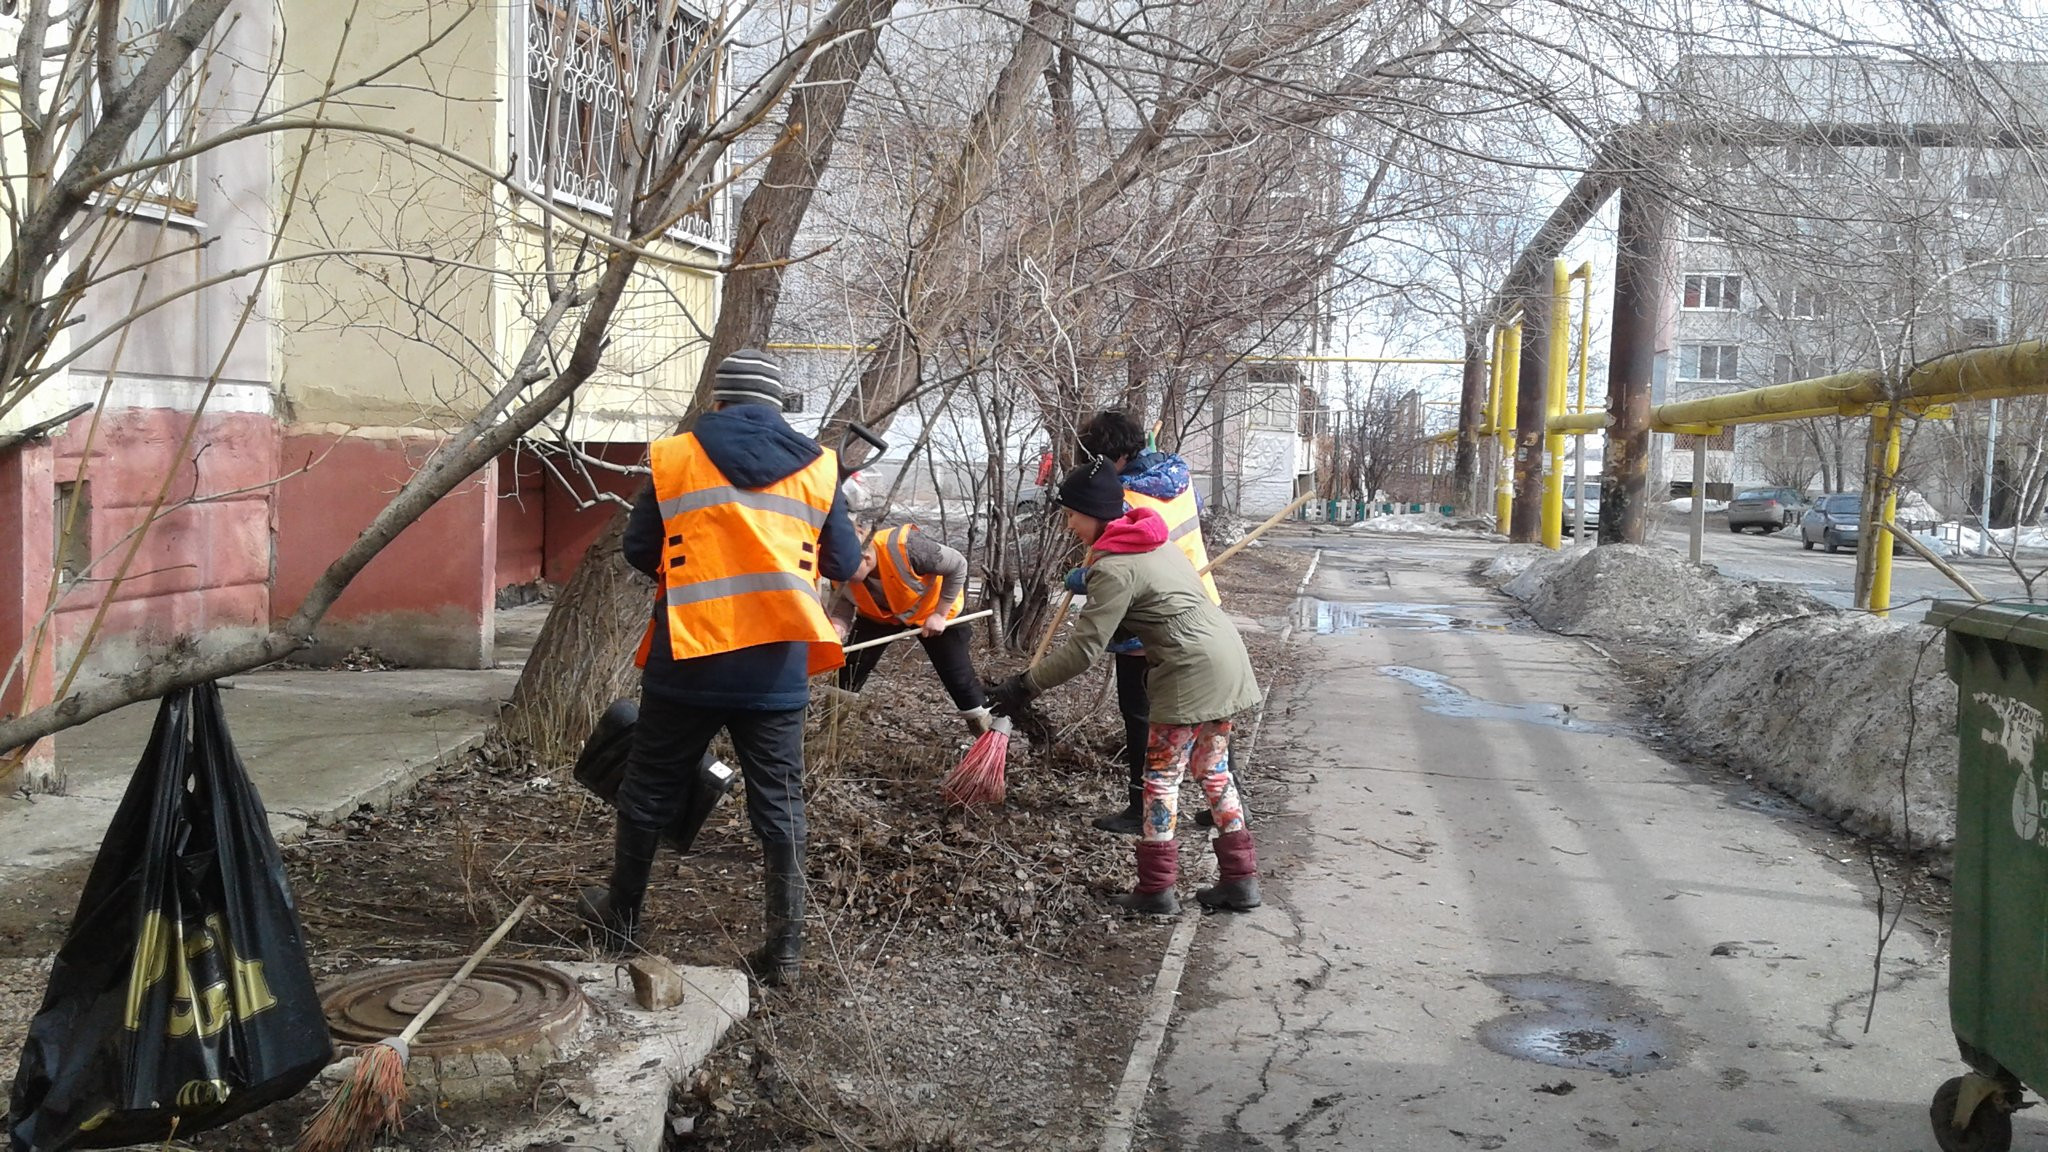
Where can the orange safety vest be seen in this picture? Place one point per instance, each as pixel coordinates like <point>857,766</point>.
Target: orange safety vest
<point>739,566</point>
<point>908,598</point>
<point>1183,528</point>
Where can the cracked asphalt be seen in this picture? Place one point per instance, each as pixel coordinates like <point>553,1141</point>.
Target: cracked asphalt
<point>1421,860</point>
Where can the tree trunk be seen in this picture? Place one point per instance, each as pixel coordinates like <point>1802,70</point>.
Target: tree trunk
<point>582,660</point>
<point>940,267</point>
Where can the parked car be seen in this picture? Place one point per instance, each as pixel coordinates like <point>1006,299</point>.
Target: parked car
<point>1767,509</point>
<point>1592,510</point>
<point>1833,523</point>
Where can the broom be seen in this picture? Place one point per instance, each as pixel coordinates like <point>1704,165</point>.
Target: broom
<point>978,778</point>
<point>373,1097</point>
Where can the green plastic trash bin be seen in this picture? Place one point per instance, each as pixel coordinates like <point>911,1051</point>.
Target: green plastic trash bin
<point>1998,962</point>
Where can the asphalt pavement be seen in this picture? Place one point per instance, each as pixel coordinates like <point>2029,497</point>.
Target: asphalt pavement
<point>1751,556</point>
<point>1498,918</point>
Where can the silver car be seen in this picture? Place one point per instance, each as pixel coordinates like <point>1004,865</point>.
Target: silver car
<point>1832,521</point>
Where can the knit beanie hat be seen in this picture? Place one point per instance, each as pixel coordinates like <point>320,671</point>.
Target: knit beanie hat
<point>748,376</point>
<point>1093,488</point>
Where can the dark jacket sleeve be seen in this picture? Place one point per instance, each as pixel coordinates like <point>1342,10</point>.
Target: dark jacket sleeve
<point>642,541</point>
<point>838,543</point>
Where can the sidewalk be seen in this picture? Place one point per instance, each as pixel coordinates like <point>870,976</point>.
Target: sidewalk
<point>317,743</point>
<point>1478,864</point>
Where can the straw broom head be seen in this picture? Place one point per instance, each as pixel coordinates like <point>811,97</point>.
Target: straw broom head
<point>369,1101</point>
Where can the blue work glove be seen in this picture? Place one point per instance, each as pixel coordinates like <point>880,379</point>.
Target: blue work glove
<point>1077,581</point>
<point>1126,647</point>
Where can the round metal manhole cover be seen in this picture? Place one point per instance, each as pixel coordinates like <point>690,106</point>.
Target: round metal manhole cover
<point>506,1005</point>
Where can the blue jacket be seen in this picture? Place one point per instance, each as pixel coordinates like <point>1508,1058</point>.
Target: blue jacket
<point>752,445</point>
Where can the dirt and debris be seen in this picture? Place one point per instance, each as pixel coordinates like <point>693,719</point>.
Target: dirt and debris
<point>967,983</point>
<point>360,658</point>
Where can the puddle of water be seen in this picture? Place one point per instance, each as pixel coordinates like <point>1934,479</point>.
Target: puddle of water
<point>1583,1024</point>
<point>1342,617</point>
<point>1444,698</point>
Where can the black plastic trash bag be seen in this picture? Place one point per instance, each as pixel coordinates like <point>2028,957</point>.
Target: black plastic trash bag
<point>601,768</point>
<point>181,998</point>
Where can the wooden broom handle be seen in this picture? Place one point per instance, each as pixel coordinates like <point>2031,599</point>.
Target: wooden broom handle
<point>1255,533</point>
<point>412,1030</point>
<point>878,641</point>
<point>1045,642</point>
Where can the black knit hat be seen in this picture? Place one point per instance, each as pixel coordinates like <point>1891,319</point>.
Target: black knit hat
<point>1093,488</point>
<point>748,376</point>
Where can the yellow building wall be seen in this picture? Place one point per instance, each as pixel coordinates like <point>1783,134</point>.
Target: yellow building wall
<point>369,338</point>
<point>378,342</point>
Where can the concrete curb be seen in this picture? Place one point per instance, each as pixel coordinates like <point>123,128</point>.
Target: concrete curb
<point>1121,1127</point>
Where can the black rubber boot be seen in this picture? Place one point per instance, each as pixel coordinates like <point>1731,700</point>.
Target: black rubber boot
<point>779,960</point>
<point>613,912</point>
<point>1127,821</point>
<point>1148,903</point>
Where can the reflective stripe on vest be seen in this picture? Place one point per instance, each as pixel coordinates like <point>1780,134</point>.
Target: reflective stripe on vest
<point>907,597</point>
<point>1183,527</point>
<point>739,566</point>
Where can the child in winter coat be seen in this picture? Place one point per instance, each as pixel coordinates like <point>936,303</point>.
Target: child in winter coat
<point>1159,481</point>
<point>1198,676</point>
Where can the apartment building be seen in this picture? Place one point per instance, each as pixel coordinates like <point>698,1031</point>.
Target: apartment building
<point>1905,231</point>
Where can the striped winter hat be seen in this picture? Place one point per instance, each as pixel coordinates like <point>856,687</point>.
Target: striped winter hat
<point>748,376</point>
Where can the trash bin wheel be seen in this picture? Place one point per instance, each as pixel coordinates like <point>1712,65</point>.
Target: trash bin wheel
<point>1990,1127</point>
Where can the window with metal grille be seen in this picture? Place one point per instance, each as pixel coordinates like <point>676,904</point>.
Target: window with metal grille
<point>582,60</point>
<point>1713,292</point>
<point>1708,361</point>
<point>166,123</point>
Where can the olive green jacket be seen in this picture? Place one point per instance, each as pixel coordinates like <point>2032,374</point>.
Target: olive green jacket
<point>1196,665</point>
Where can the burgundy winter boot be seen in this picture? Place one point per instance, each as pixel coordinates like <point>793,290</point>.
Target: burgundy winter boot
<point>1237,866</point>
<point>1158,868</point>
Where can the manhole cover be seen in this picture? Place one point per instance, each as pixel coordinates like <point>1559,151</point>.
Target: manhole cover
<point>508,1006</point>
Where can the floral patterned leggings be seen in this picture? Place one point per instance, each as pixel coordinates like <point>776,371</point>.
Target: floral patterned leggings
<point>1175,750</point>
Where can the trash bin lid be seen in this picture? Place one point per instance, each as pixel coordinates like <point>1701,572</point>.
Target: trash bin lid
<point>2015,623</point>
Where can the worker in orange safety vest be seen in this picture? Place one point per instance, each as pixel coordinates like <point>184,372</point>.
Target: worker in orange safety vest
<point>743,518</point>
<point>908,579</point>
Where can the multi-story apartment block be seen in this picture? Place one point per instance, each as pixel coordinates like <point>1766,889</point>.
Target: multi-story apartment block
<point>1848,214</point>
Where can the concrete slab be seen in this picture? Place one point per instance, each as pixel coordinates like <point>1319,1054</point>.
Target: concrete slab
<point>634,1061</point>
<point>318,745</point>
<point>1427,856</point>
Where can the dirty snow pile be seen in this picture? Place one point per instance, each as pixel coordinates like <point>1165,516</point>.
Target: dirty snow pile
<point>1684,505</point>
<point>1818,707</point>
<point>1633,592</point>
<point>1426,524</point>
